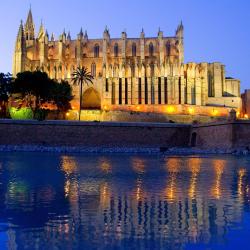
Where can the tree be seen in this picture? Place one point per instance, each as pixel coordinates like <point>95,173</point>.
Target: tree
<point>61,95</point>
<point>37,89</point>
<point>33,87</point>
<point>5,91</point>
<point>80,77</point>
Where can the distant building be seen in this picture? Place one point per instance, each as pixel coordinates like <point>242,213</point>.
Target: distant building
<point>128,73</point>
<point>246,103</point>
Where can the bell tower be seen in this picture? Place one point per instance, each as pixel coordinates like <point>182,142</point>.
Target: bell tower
<point>19,59</point>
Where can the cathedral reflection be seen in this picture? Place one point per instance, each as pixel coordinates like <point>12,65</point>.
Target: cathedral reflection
<point>173,199</point>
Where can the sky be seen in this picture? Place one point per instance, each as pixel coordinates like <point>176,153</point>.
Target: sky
<point>215,30</point>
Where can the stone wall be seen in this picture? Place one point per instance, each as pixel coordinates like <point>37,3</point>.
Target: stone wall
<point>83,134</point>
<point>223,136</point>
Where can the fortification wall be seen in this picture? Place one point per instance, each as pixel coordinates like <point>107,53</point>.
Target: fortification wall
<point>84,134</point>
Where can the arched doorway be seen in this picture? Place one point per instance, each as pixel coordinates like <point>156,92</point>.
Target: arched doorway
<point>91,99</point>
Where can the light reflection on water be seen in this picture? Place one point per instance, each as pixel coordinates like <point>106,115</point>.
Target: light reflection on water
<point>53,201</point>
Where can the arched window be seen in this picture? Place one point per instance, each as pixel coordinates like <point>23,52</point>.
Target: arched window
<point>168,48</point>
<point>151,49</point>
<point>133,49</point>
<point>116,50</point>
<point>96,50</point>
<point>93,70</point>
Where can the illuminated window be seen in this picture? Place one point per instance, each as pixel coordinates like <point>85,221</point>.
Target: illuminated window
<point>96,50</point>
<point>151,49</point>
<point>93,70</point>
<point>134,49</point>
<point>116,50</point>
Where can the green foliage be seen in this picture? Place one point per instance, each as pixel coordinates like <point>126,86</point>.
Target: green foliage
<point>21,114</point>
<point>36,89</point>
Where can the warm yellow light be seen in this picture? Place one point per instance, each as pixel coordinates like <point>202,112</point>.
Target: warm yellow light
<point>191,111</point>
<point>215,112</point>
<point>246,116</point>
<point>170,109</point>
<point>238,114</point>
<point>137,108</point>
<point>105,107</point>
<point>67,114</point>
<point>73,107</point>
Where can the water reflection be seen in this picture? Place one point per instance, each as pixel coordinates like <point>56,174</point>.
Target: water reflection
<point>128,202</point>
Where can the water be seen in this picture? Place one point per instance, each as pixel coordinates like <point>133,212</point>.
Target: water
<point>59,201</point>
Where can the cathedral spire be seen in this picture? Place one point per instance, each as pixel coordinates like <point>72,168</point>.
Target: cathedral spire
<point>41,33</point>
<point>52,37</point>
<point>68,36</point>
<point>20,42</point>
<point>29,27</point>
<point>80,35</point>
<point>142,33</point>
<point>180,30</point>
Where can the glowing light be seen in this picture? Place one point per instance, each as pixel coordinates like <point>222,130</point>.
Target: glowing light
<point>137,108</point>
<point>170,109</point>
<point>73,107</point>
<point>219,166</point>
<point>67,114</point>
<point>105,107</point>
<point>238,114</point>
<point>191,111</point>
<point>215,112</point>
<point>246,116</point>
<point>241,173</point>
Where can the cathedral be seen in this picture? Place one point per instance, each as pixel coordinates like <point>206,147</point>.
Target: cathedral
<point>146,74</point>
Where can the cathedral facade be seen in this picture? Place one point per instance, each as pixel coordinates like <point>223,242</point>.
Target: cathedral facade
<point>129,73</point>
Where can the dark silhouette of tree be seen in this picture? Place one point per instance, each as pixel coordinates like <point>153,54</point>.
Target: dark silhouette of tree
<point>36,89</point>
<point>5,91</point>
<point>80,77</point>
<point>61,94</point>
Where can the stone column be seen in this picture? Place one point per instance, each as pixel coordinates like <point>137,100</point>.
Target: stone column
<point>162,90</point>
<point>176,90</point>
<point>198,91</point>
<point>170,83</point>
<point>129,90</point>
<point>116,80</point>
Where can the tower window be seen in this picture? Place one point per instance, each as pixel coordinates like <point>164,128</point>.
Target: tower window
<point>116,50</point>
<point>93,69</point>
<point>96,50</point>
<point>151,49</point>
<point>134,49</point>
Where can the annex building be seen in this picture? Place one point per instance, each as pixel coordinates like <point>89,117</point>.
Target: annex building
<point>146,74</point>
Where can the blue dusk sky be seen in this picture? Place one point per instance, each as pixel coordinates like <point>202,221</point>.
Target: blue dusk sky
<point>215,30</point>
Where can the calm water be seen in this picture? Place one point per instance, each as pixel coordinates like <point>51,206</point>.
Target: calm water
<point>57,201</point>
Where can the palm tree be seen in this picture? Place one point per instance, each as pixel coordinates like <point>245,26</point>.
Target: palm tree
<point>79,77</point>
